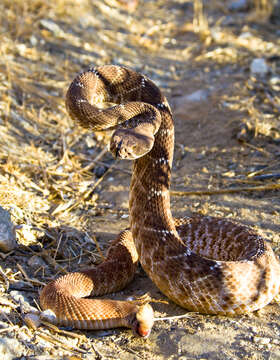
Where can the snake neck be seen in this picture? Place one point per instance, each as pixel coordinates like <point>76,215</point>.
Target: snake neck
<point>151,220</point>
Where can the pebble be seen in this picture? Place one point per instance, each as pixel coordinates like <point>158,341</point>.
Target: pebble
<point>90,141</point>
<point>52,27</point>
<point>275,83</point>
<point>182,103</point>
<point>259,67</point>
<point>99,171</point>
<point>197,96</point>
<point>48,315</point>
<point>36,261</point>
<point>238,5</point>
<point>7,232</point>
<point>262,340</point>
<point>33,40</point>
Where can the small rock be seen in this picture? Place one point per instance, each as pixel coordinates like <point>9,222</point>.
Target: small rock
<point>35,261</point>
<point>199,95</point>
<point>33,40</point>
<point>259,67</point>
<point>238,5</point>
<point>103,333</point>
<point>7,232</point>
<point>21,49</point>
<point>19,284</point>
<point>99,171</point>
<point>90,141</point>
<point>262,340</point>
<point>52,27</point>
<point>182,103</point>
<point>48,315</point>
<point>275,83</point>
<point>245,35</point>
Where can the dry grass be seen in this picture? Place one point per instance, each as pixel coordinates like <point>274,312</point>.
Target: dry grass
<point>37,163</point>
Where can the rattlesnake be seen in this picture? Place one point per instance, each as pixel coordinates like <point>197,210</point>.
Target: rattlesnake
<point>204,264</point>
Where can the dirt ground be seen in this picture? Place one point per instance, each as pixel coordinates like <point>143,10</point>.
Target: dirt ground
<point>66,193</point>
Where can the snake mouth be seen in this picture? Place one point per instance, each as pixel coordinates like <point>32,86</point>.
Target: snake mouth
<point>144,333</point>
<point>141,331</point>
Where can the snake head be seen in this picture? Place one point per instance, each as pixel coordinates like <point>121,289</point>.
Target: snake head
<point>131,144</point>
<point>143,321</point>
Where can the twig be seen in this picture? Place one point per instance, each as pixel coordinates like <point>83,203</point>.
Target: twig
<point>226,191</point>
<point>55,341</point>
<point>10,328</point>
<point>96,244</point>
<point>175,317</point>
<point>266,176</point>
<point>7,318</point>
<point>266,153</point>
<point>30,280</point>
<point>52,262</point>
<point>58,245</point>
<point>264,169</point>
<point>93,161</point>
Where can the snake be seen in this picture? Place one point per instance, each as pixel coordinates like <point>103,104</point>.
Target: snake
<point>204,264</point>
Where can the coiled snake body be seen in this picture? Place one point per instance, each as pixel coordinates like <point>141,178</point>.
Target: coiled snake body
<point>204,264</point>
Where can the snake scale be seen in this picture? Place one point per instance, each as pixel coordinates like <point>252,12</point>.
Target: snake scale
<point>205,264</point>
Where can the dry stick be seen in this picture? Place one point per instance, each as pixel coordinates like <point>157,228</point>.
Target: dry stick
<point>63,332</point>
<point>265,169</point>
<point>226,191</point>
<point>7,318</point>
<point>96,244</point>
<point>96,160</point>
<point>266,153</point>
<point>10,328</point>
<point>52,262</point>
<point>187,315</point>
<point>98,157</point>
<point>52,339</point>
<point>57,247</point>
<point>29,280</point>
<point>67,333</point>
<point>113,167</point>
